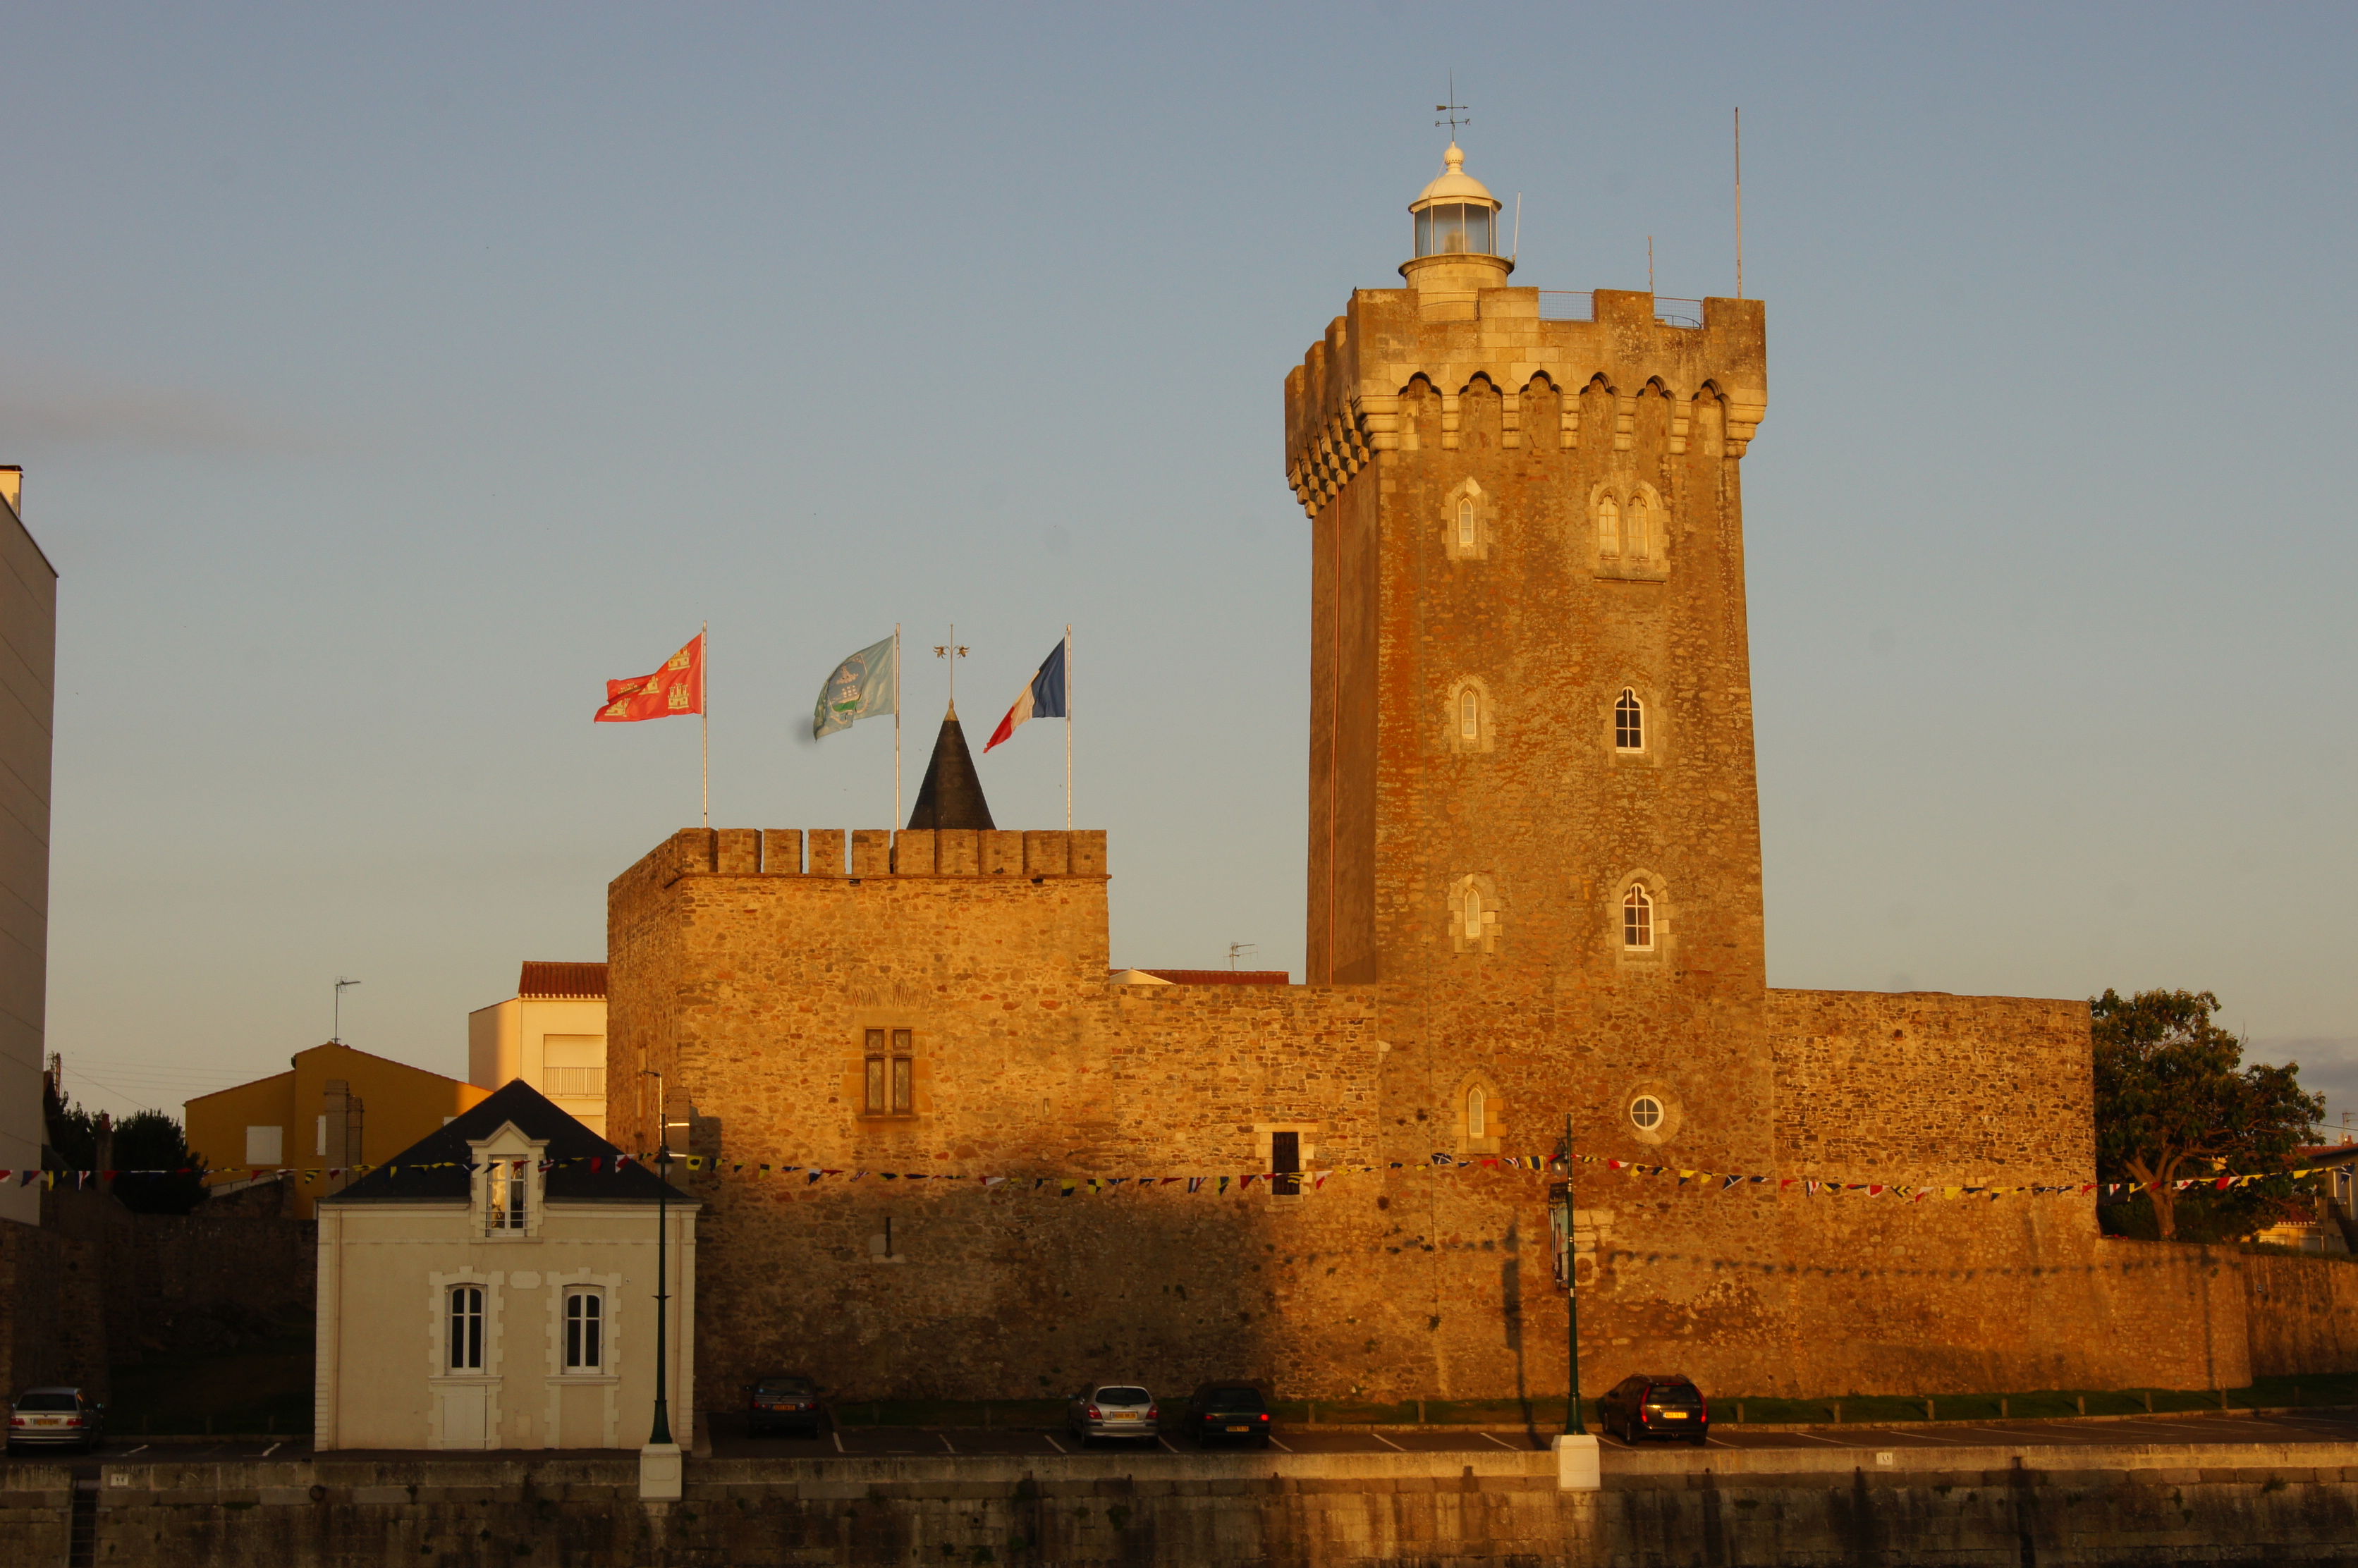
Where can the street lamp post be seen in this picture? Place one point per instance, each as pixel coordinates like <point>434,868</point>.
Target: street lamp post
<point>1571,1422</point>
<point>662,1432</point>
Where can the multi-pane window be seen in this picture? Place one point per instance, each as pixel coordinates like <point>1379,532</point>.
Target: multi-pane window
<point>1637,535</point>
<point>466,1328</point>
<point>1628,722</point>
<point>1469,715</point>
<point>585,1330</point>
<point>1608,528</point>
<point>1285,1164</point>
<point>891,1087</point>
<point>1466,526</point>
<point>507,1189</point>
<point>1646,1111</point>
<point>1637,919</point>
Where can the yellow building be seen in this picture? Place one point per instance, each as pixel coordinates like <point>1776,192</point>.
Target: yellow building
<point>335,1109</point>
<point>29,645</point>
<point>552,1035</point>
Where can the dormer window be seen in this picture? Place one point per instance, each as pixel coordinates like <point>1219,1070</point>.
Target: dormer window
<point>508,1196</point>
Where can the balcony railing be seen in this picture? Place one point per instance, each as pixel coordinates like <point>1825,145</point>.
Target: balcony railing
<point>1566,305</point>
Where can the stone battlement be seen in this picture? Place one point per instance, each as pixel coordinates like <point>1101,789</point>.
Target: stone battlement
<point>863,852</point>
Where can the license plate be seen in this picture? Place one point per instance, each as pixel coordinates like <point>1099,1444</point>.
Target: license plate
<point>1671,1415</point>
<point>1240,1429</point>
<point>49,1420</point>
<point>1123,1415</point>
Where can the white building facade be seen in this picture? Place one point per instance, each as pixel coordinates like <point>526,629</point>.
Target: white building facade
<point>551,1034</point>
<point>494,1286</point>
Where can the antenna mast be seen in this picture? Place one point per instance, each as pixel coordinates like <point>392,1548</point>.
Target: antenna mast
<point>1452,110</point>
<point>1739,203</point>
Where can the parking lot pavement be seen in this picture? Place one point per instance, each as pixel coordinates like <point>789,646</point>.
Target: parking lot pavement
<point>2193,1427</point>
<point>908,1442</point>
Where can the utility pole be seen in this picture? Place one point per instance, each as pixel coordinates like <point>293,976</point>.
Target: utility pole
<point>662,1432</point>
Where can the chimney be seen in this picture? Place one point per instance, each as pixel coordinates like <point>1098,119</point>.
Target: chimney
<point>12,489</point>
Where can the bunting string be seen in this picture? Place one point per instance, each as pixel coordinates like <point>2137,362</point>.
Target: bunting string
<point>1700,1180</point>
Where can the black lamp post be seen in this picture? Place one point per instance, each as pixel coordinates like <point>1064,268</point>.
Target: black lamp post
<point>1573,1424</point>
<point>662,1432</point>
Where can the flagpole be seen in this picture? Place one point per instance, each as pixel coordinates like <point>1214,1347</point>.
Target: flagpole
<point>897,727</point>
<point>1068,726</point>
<point>704,710</point>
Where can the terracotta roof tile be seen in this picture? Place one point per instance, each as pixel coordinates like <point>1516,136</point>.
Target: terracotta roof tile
<point>1222,976</point>
<point>546,980</point>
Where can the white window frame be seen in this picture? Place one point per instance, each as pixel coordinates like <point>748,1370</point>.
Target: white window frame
<point>1630,737</point>
<point>507,1197</point>
<point>1645,1113</point>
<point>590,1325</point>
<point>465,1328</point>
<point>1477,1113</point>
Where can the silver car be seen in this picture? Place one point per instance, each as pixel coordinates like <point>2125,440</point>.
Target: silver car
<point>60,1415</point>
<point>1111,1410</point>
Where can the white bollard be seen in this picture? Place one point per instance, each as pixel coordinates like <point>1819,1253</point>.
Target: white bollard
<point>659,1473</point>
<point>1578,1467</point>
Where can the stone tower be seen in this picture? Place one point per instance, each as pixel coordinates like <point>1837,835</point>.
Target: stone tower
<point>1534,821</point>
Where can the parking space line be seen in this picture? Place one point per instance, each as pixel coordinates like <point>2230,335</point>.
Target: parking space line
<point>272,1449</point>
<point>1166,1441</point>
<point>1055,1445</point>
<point>1387,1442</point>
<point>946,1441</point>
<point>141,1449</point>
<point>1834,1442</point>
<point>1507,1446</point>
<point>1272,1437</point>
<point>831,1431</point>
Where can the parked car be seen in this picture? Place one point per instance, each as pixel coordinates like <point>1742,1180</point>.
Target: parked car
<point>1655,1404</point>
<point>782,1399</point>
<point>1112,1409</point>
<point>1217,1413</point>
<point>59,1416</point>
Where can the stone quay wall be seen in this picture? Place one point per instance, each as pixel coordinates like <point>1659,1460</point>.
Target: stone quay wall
<point>2217,1504</point>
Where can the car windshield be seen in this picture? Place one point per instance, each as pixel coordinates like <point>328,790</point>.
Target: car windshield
<point>1122,1394</point>
<point>48,1402</point>
<point>1234,1399</point>
<point>1682,1395</point>
<point>782,1386</point>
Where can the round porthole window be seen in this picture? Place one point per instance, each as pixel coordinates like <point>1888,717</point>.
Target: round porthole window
<point>1646,1112</point>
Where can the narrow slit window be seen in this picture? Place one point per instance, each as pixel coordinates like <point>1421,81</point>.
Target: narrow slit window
<point>1285,1164</point>
<point>585,1330</point>
<point>1638,538</point>
<point>1477,1114</point>
<point>1637,920</point>
<point>1608,528</point>
<point>1628,722</point>
<point>904,1100</point>
<point>1466,524</point>
<point>1469,715</point>
<point>467,1328</point>
<point>1473,914</point>
<point>872,1100</point>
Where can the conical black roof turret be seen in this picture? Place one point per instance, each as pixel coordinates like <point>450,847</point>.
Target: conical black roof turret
<point>951,795</point>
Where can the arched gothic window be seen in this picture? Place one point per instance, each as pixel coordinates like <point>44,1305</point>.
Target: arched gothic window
<point>1638,536</point>
<point>1608,528</point>
<point>1473,914</point>
<point>1469,715</point>
<point>1477,1114</point>
<point>1637,920</point>
<point>1628,722</point>
<point>1466,524</point>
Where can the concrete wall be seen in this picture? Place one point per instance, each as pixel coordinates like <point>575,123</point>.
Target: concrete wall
<point>511,1040</point>
<point>29,641</point>
<point>2190,1506</point>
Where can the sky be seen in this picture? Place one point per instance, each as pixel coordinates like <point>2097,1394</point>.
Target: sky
<point>388,379</point>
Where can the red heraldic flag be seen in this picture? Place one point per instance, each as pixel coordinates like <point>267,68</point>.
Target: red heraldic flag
<point>676,688</point>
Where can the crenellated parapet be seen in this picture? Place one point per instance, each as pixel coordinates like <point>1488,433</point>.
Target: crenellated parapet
<point>823,852</point>
<point>1343,403</point>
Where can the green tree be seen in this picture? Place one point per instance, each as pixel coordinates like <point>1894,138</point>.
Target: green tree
<point>2175,1100</point>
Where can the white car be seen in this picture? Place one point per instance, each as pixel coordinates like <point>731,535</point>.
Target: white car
<point>1112,1409</point>
<point>55,1415</point>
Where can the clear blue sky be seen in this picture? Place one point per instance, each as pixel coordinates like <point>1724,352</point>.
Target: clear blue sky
<point>387,380</point>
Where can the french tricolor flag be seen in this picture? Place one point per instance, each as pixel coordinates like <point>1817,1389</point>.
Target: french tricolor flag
<point>1044,698</point>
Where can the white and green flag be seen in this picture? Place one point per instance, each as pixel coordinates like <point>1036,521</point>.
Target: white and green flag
<point>862,687</point>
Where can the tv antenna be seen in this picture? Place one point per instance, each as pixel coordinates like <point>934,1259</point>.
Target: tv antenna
<point>1242,950</point>
<point>1452,110</point>
<point>953,653</point>
<point>337,1037</point>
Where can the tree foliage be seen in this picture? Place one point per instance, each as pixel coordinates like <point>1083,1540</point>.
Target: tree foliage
<point>145,1142</point>
<point>2174,1100</point>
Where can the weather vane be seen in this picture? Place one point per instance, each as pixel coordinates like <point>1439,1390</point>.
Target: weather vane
<point>1452,110</point>
<point>953,653</point>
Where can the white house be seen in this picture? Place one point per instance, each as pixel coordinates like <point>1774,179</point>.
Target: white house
<point>494,1286</point>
